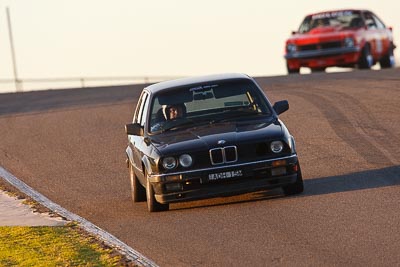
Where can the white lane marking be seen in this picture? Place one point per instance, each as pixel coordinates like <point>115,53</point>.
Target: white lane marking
<point>108,238</point>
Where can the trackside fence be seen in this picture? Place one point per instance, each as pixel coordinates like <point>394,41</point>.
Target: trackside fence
<point>32,84</point>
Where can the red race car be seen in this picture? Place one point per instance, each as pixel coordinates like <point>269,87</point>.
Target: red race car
<point>341,38</point>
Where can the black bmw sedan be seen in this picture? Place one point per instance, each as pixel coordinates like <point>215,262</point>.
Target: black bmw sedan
<point>206,137</point>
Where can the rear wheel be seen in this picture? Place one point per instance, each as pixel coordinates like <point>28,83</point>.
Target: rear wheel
<point>295,188</point>
<point>366,60</point>
<point>388,60</point>
<point>138,192</point>
<point>152,204</point>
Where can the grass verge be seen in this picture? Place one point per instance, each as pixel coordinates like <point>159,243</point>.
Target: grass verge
<point>53,246</point>
<point>67,245</point>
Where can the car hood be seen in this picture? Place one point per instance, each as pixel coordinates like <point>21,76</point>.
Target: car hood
<point>209,136</point>
<point>322,33</point>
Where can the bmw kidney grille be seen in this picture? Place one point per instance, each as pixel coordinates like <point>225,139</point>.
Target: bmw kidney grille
<point>222,155</point>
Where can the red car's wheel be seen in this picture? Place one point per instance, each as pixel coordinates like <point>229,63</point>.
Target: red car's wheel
<point>366,60</point>
<point>292,71</point>
<point>388,60</point>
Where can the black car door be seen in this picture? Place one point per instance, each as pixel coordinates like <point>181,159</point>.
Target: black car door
<point>136,141</point>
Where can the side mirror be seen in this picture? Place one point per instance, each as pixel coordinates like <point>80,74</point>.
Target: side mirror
<point>134,129</point>
<point>281,106</point>
<point>390,28</point>
<point>294,32</point>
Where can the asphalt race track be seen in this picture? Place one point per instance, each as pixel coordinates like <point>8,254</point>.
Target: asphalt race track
<point>70,146</point>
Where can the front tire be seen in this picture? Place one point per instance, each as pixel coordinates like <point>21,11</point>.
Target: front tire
<point>138,192</point>
<point>292,71</point>
<point>366,60</point>
<point>295,188</point>
<point>152,204</point>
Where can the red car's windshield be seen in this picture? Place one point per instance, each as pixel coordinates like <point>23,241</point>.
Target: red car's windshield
<point>342,19</point>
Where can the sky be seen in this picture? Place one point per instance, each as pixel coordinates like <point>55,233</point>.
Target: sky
<point>172,38</point>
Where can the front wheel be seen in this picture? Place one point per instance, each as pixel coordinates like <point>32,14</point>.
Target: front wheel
<point>152,204</point>
<point>292,71</point>
<point>138,192</point>
<point>295,188</point>
<point>366,60</point>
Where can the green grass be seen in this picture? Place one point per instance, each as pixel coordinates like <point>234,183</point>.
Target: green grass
<point>52,246</point>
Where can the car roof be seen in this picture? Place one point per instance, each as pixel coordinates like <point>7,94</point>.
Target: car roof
<point>195,80</point>
<point>339,10</point>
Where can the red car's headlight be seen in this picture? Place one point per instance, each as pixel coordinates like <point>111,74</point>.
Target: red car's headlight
<point>291,48</point>
<point>348,42</point>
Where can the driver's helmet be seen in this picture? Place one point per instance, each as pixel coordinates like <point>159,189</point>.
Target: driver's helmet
<point>180,106</point>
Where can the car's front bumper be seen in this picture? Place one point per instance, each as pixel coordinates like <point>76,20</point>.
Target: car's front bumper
<point>323,58</point>
<point>225,180</point>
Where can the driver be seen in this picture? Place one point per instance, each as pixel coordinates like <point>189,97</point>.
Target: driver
<point>169,113</point>
<point>173,112</point>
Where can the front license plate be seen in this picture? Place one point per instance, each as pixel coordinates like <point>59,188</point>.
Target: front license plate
<point>224,175</point>
<point>278,171</point>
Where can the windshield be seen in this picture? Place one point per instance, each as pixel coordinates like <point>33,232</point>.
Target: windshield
<point>342,19</point>
<point>206,104</point>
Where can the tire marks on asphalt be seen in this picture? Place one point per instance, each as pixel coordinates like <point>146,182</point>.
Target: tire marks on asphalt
<point>354,125</point>
<point>368,126</point>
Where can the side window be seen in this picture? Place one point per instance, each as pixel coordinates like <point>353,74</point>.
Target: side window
<point>135,115</point>
<point>369,21</point>
<point>139,108</point>
<point>379,23</point>
<point>144,110</point>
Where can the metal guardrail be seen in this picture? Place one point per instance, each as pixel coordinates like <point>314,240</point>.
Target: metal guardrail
<point>83,82</point>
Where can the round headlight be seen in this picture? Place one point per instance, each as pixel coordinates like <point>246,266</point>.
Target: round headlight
<point>348,42</point>
<point>276,146</point>
<point>169,163</point>
<point>291,48</point>
<point>185,160</point>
